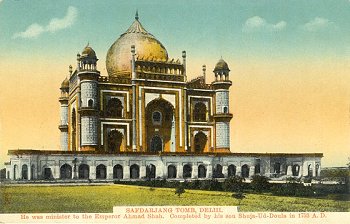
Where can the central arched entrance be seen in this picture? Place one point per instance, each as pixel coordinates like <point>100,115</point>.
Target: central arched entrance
<point>160,126</point>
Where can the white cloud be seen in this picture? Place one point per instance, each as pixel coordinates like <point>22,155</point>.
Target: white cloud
<point>54,25</point>
<point>316,24</point>
<point>59,24</point>
<point>32,31</point>
<point>257,23</point>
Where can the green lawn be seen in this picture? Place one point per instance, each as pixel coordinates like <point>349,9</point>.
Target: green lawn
<point>31,199</point>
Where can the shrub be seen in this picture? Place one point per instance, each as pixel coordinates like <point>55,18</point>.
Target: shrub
<point>239,196</point>
<point>234,184</point>
<point>260,183</point>
<point>179,190</point>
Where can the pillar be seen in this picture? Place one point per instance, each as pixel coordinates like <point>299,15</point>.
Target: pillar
<point>109,170</point>
<point>133,77</point>
<point>142,171</point>
<point>238,170</point>
<point>194,170</point>
<point>251,171</point>
<point>225,171</point>
<point>92,172</point>
<point>160,171</point>
<point>179,171</point>
<point>210,171</point>
<point>289,170</point>
<point>126,172</point>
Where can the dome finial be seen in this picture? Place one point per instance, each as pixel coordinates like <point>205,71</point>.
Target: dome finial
<point>137,15</point>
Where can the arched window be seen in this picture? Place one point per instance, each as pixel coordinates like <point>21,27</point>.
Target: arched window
<point>217,173</point>
<point>200,112</point>
<point>157,118</point>
<point>156,144</point>
<point>134,171</point>
<point>114,108</point>
<point>74,129</point>
<point>25,172</point>
<point>231,170</point>
<point>66,172</point>
<point>245,171</point>
<point>151,171</point>
<point>187,171</point>
<point>90,103</point>
<point>101,172</point>
<point>115,139</point>
<point>171,171</point>
<point>309,170</point>
<point>295,170</point>
<point>277,168</point>
<point>117,172</point>
<point>84,171</point>
<point>47,173</point>
<point>202,171</point>
<point>317,169</point>
<point>200,140</point>
<point>225,109</point>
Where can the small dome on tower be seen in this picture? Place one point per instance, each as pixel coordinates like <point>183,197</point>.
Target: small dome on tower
<point>65,83</point>
<point>221,65</point>
<point>88,52</point>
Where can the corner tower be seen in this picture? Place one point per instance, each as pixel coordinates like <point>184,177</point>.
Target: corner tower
<point>222,115</point>
<point>63,126</point>
<point>88,76</point>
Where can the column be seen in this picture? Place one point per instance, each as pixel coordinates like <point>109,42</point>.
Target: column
<point>142,171</point>
<point>225,170</point>
<point>251,171</point>
<point>179,171</point>
<point>238,170</point>
<point>210,171</point>
<point>289,170</point>
<point>159,171</point>
<point>126,172</point>
<point>92,172</point>
<point>194,170</point>
<point>29,171</point>
<point>109,172</point>
<point>56,172</point>
<point>133,77</point>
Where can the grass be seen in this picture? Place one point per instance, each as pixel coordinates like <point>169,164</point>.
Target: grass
<point>102,198</point>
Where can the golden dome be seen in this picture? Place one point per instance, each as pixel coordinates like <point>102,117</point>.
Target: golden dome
<point>146,46</point>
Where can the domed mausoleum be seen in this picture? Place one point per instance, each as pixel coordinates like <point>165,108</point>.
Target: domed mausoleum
<point>145,119</point>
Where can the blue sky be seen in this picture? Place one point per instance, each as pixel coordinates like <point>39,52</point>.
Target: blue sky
<point>238,28</point>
